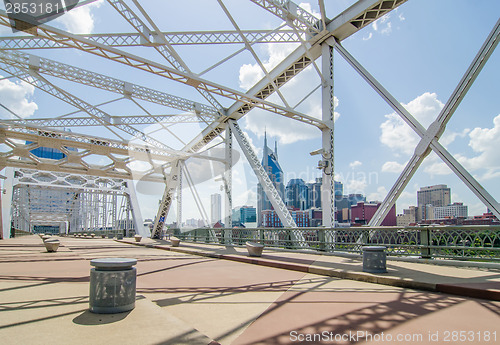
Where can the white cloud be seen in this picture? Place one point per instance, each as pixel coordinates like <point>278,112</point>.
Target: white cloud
<point>387,29</point>
<point>248,197</point>
<point>485,142</point>
<point>17,97</point>
<point>355,164</point>
<point>355,186</point>
<point>383,25</point>
<point>393,167</point>
<point>397,135</point>
<point>307,6</point>
<point>80,20</point>
<point>401,17</point>
<point>369,36</point>
<point>476,209</point>
<point>257,150</point>
<point>438,168</point>
<point>250,75</point>
<point>379,195</point>
<point>450,136</point>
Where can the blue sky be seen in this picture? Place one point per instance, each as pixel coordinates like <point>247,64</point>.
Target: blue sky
<point>418,53</point>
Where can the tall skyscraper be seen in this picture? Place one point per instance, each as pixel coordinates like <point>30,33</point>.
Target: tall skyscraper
<point>338,190</point>
<point>275,173</point>
<point>438,195</point>
<point>315,193</point>
<point>244,214</point>
<point>216,208</point>
<point>297,194</point>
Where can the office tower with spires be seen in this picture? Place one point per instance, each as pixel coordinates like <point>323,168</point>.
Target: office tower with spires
<point>275,173</point>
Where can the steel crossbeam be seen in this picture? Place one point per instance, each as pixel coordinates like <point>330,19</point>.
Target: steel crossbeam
<point>121,154</point>
<point>305,27</point>
<point>166,202</point>
<point>165,50</point>
<point>173,38</point>
<point>90,121</point>
<point>291,13</point>
<point>60,70</point>
<point>268,186</point>
<point>435,131</point>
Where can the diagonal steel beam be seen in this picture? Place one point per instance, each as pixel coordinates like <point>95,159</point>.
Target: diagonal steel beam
<point>75,74</point>
<point>166,201</point>
<point>267,184</point>
<point>435,131</point>
<point>437,128</point>
<point>430,136</point>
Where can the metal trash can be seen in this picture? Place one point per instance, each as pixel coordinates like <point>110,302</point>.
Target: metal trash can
<point>112,285</point>
<point>374,259</point>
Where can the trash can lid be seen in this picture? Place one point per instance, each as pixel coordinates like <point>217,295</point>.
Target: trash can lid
<point>374,248</point>
<point>113,263</point>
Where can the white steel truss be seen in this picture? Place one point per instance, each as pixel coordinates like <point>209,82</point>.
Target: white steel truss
<point>172,38</point>
<point>77,147</point>
<point>170,188</point>
<point>72,202</point>
<point>266,183</point>
<point>57,69</point>
<point>142,64</point>
<point>314,38</point>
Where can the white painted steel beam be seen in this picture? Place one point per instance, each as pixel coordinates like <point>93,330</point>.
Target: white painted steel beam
<point>267,185</point>
<point>89,121</point>
<point>165,50</point>
<point>173,38</point>
<point>228,177</point>
<point>57,69</point>
<point>166,201</point>
<point>436,130</point>
<point>292,13</point>
<point>146,65</point>
<point>327,135</point>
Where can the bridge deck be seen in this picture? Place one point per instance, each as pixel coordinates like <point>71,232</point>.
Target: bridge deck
<point>190,296</point>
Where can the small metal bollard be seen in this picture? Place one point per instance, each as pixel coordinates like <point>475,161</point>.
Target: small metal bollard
<point>254,249</point>
<point>374,259</point>
<point>112,285</point>
<point>175,241</point>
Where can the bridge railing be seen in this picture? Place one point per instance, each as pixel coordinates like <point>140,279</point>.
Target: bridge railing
<point>449,242</point>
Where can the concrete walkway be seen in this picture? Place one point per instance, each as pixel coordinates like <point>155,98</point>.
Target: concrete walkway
<point>459,279</point>
<point>190,296</point>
